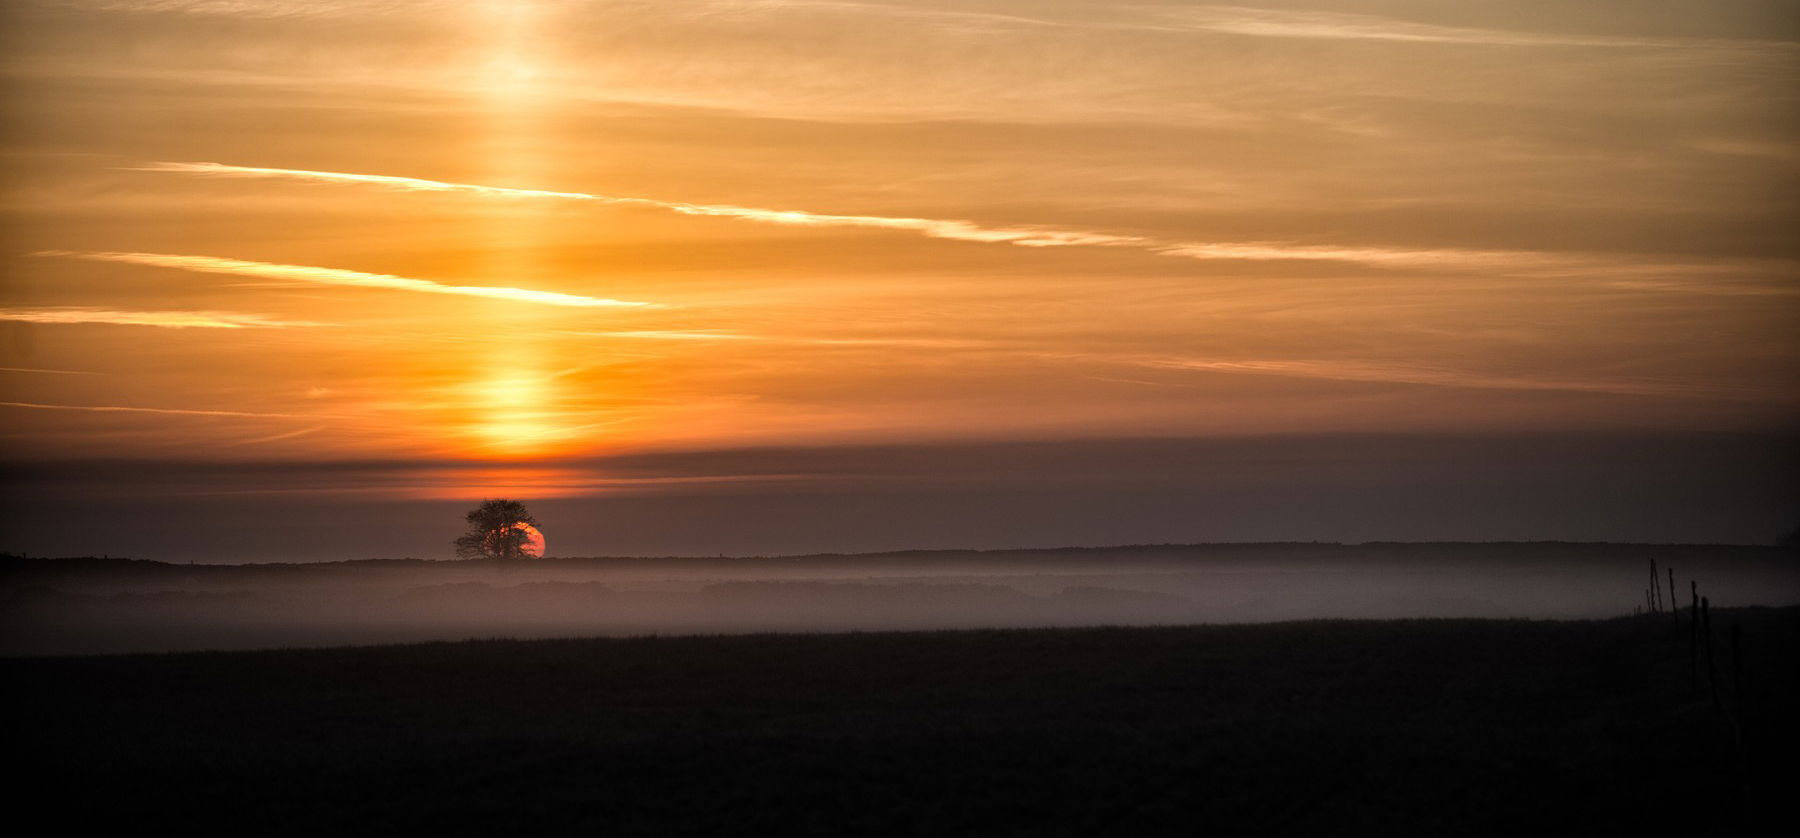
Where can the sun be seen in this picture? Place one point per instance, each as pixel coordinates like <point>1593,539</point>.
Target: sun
<point>534,541</point>
<point>533,545</point>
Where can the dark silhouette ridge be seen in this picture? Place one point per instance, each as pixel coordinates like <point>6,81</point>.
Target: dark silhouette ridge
<point>1687,488</point>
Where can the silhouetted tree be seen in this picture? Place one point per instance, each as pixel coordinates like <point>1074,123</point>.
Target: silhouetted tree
<point>494,531</point>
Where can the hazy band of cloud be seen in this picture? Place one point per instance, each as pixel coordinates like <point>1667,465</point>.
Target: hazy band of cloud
<point>1378,256</point>
<point>1363,371</point>
<point>1293,23</point>
<point>334,276</point>
<point>1224,19</point>
<point>716,335</point>
<point>160,410</point>
<point>164,319</point>
<point>246,8</point>
<point>271,437</point>
<point>1246,21</point>
<point>48,372</point>
<point>668,334</point>
<point>939,228</point>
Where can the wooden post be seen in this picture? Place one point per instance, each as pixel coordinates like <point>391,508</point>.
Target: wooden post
<point>1674,604</point>
<point>1712,673</point>
<point>1694,637</point>
<point>1737,669</point>
<point>1736,714</point>
<point>1655,596</point>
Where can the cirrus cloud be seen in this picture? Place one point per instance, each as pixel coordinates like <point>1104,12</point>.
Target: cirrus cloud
<point>164,319</point>
<point>336,276</point>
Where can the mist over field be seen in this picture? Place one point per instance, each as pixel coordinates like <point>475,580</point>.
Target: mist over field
<point>82,606</point>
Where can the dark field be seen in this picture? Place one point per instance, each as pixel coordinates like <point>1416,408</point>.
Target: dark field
<point>1422,727</point>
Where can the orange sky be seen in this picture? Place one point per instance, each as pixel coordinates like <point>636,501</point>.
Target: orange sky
<point>247,230</point>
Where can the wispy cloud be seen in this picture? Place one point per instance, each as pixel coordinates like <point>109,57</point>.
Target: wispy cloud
<point>1713,288</point>
<point>1517,262</point>
<point>714,335</point>
<point>159,410</point>
<point>1029,236</point>
<point>934,227</point>
<point>252,8</point>
<point>335,276</point>
<point>164,319</point>
<point>662,334</point>
<point>1442,377</point>
<point>1279,23</point>
<point>47,372</point>
<point>272,437</point>
<point>1293,23</point>
<point>1376,256</point>
<point>1213,18</point>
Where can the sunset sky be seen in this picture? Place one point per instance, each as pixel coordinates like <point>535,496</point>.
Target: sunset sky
<point>299,280</point>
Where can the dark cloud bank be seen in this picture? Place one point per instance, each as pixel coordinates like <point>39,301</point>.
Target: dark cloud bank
<point>1677,488</point>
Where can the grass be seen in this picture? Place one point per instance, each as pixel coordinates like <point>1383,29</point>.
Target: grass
<point>1400,727</point>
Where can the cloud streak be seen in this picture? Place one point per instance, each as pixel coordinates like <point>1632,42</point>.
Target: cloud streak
<point>1224,19</point>
<point>1536,263</point>
<point>157,410</point>
<point>1026,236</point>
<point>668,334</point>
<point>1246,21</point>
<point>272,437</point>
<point>708,336</point>
<point>1373,256</point>
<point>47,372</point>
<point>934,227</point>
<point>1362,371</point>
<point>335,276</point>
<point>163,319</point>
<point>1289,23</point>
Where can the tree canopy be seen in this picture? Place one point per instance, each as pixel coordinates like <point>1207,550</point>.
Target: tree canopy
<point>498,529</point>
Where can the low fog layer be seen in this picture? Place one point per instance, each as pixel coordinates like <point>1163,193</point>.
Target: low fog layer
<point>82,606</point>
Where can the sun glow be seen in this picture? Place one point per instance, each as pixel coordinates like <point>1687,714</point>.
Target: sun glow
<point>511,416</point>
<point>525,234</point>
<point>516,413</point>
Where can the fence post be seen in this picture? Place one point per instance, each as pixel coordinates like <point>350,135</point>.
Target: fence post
<point>1674,604</point>
<point>1712,673</point>
<point>1737,668</point>
<point>1694,637</point>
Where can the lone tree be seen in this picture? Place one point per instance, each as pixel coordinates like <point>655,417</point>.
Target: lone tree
<point>498,529</point>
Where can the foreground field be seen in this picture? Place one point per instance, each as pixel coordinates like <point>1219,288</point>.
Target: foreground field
<point>1401,727</point>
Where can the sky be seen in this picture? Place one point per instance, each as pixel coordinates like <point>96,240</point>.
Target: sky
<point>296,281</point>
